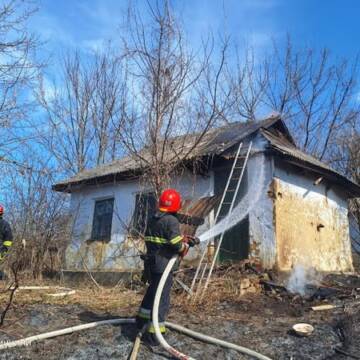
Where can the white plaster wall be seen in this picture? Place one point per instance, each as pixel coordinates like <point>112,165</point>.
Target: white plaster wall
<point>194,186</point>
<point>124,193</point>
<point>82,208</point>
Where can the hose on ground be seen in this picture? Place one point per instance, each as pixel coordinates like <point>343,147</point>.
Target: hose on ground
<point>64,291</point>
<point>27,341</point>
<point>209,339</point>
<point>215,341</point>
<point>194,334</point>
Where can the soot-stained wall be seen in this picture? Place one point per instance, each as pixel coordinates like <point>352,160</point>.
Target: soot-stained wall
<point>120,253</point>
<point>289,220</point>
<point>311,222</point>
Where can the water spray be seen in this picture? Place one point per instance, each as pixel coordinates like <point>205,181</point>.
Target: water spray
<point>245,205</point>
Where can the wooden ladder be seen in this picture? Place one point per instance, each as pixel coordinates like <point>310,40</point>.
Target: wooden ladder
<point>225,208</point>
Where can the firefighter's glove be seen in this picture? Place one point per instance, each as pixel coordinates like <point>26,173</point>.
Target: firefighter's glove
<point>184,249</point>
<point>191,240</point>
<point>194,240</point>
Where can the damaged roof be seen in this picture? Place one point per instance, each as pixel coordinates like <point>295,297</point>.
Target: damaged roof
<point>289,152</point>
<point>215,142</point>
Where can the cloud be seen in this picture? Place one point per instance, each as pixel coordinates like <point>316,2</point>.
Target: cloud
<point>83,25</point>
<point>50,29</point>
<point>88,25</point>
<point>49,89</point>
<point>93,45</point>
<point>249,23</point>
<point>104,16</point>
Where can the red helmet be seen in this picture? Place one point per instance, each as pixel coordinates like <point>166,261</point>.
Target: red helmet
<point>170,201</point>
<point>1,210</point>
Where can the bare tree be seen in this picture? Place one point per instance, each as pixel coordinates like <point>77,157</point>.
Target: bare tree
<point>345,157</point>
<point>38,216</point>
<point>173,91</point>
<point>313,93</point>
<point>106,105</point>
<point>68,111</point>
<point>18,71</point>
<point>248,82</point>
<point>10,289</point>
<point>80,112</point>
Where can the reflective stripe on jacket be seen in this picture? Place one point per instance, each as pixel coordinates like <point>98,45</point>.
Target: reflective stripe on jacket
<point>6,238</point>
<point>163,240</point>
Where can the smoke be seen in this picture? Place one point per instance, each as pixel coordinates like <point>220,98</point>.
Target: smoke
<point>300,277</point>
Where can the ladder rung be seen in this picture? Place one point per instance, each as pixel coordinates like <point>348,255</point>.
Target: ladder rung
<point>235,176</point>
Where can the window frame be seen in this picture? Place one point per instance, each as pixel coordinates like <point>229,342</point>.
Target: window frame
<point>95,234</point>
<point>134,230</point>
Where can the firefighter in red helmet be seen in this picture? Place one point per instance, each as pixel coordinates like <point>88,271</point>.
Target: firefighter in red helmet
<point>163,240</point>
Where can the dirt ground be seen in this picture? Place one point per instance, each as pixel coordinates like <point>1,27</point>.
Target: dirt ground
<point>261,321</point>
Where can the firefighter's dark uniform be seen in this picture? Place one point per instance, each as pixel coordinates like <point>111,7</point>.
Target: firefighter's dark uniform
<point>6,238</point>
<point>163,240</point>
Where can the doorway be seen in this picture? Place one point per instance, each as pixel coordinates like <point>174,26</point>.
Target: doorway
<point>235,244</point>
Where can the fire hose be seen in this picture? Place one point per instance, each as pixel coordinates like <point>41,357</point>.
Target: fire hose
<point>209,339</point>
<point>194,334</point>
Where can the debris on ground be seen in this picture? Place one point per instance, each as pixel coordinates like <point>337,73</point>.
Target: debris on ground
<point>244,305</point>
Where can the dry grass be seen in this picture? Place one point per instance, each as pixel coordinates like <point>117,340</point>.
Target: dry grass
<point>106,300</point>
<point>226,285</point>
<point>125,302</point>
<point>99,300</point>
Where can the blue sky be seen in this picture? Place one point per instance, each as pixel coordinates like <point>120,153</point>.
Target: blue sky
<point>85,24</point>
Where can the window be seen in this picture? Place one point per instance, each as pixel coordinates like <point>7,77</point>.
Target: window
<point>145,207</point>
<point>102,220</point>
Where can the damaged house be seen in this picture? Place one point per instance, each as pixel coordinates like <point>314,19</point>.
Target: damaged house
<point>298,215</point>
